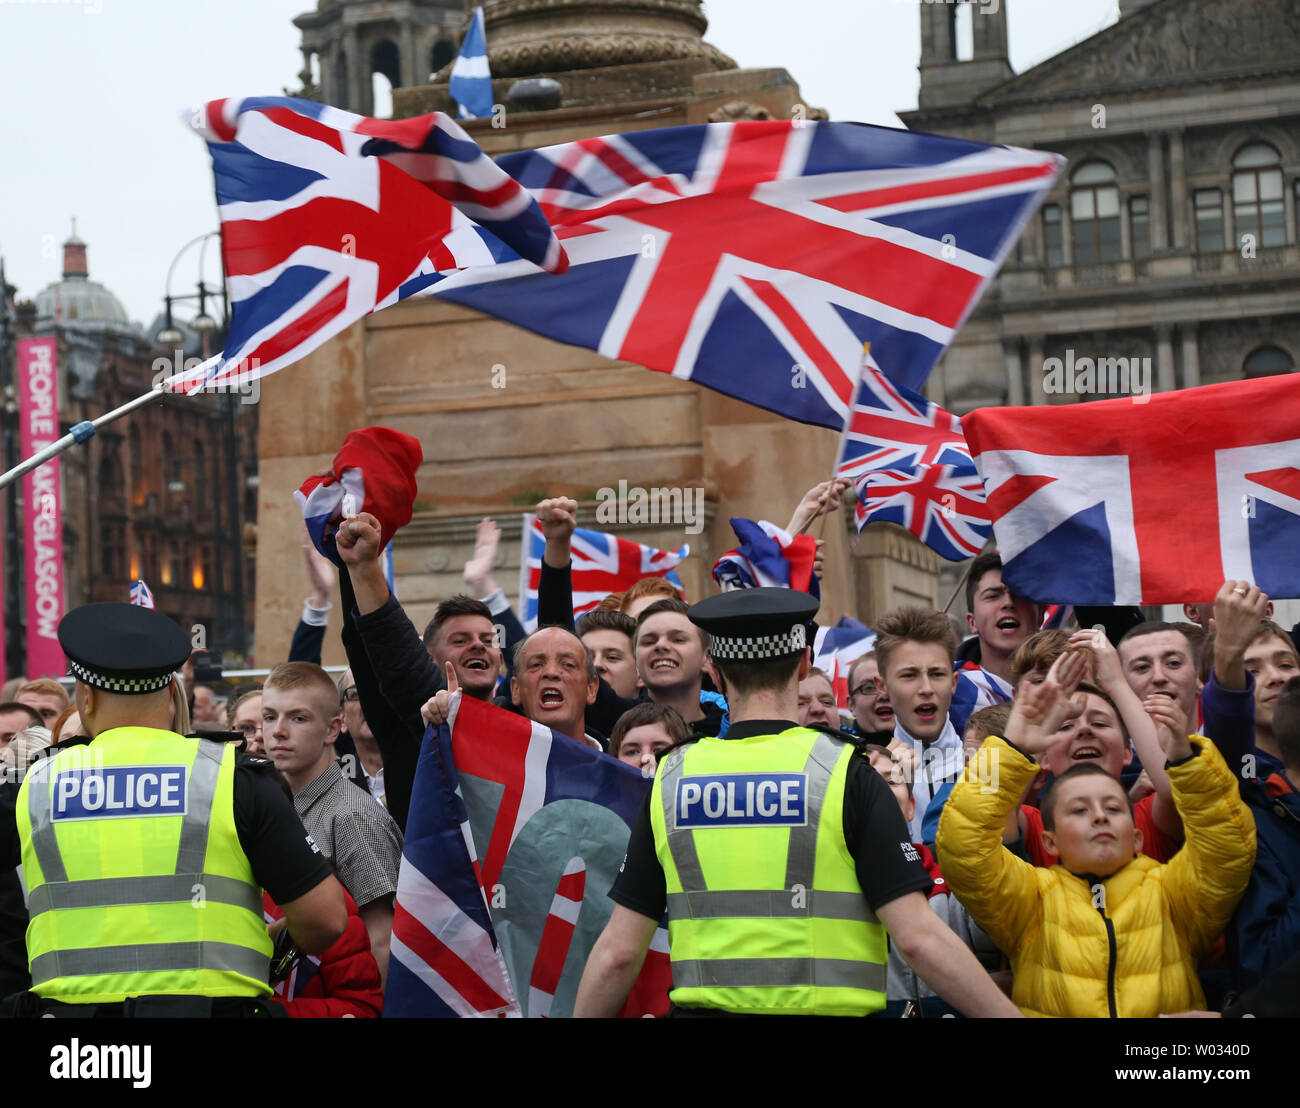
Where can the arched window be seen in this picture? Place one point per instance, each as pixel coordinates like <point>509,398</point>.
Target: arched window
<point>1265,361</point>
<point>171,465</point>
<point>962,29</point>
<point>1257,195</point>
<point>200,467</point>
<point>110,476</point>
<point>385,75</point>
<point>443,52</point>
<point>1094,212</point>
<point>136,462</point>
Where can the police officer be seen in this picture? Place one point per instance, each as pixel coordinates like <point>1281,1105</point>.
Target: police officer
<point>780,855</point>
<point>145,853</point>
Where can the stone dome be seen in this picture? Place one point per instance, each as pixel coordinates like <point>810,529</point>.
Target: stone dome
<point>76,300</point>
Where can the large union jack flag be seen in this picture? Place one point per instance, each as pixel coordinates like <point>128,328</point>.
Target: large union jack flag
<point>515,836</point>
<point>1155,502</point>
<point>327,216</point>
<point>601,564</point>
<point>756,258</point>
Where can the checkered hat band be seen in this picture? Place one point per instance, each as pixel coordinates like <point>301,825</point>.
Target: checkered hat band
<point>756,648</point>
<point>119,684</point>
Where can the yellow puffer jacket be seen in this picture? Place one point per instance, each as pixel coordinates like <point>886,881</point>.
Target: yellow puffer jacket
<point>1047,921</point>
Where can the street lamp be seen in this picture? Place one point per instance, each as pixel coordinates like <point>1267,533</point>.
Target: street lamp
<point>210,328</point>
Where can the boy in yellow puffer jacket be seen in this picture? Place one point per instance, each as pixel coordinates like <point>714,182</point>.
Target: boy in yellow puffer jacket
<point>1106,931</point>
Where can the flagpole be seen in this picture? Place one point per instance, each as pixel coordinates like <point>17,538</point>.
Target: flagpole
<point>81,432</point>
<point>961,581</point>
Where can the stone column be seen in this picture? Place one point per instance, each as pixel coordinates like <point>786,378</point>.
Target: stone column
<point>1165,358</point>
<point>327,78</point>
<point>409,74</point>
<point>352,78</point>
<point>1191,356</point>
<point>1178,190</point>
<point>1157,217</point>
<point>1015,375</point>
<point>1036,394</point>
<point>1125,228</point>
<point>1288,208</point>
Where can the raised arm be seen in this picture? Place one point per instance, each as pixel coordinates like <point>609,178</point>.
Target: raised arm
<point>559,519</point>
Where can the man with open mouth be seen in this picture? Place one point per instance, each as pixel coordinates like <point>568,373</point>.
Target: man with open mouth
<point>873,717</point>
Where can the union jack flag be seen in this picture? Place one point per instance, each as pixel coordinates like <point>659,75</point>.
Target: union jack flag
<point>975,688</point>
<point>140,594</point>
<point>1117,502</point>
<point>942,505</point>
<point>509,814</point>
<point>892,427</point>
<point>601,564</point>
<point>768,557</point>
<point>835,649</point>
<point>756,258</point>
<point>327,216</point>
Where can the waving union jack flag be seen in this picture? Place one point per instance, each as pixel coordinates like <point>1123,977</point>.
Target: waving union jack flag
<point>756,258</point>
<point>514,839</point>
<point>941,505</point>
<point>140,594</point>
<point>768,556</point>
<point>892,427</point>
<point>1117,502</point>
<point>327,216</point>
<point>601,564</point>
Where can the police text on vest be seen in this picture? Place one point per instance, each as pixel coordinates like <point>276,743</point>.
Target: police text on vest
<point>742,799</point>
<point>119,791</point>
<point>91,1062</point>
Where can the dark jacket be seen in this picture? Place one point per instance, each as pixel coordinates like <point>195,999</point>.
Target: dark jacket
<point>13,908</point>
<point>1265,930</point>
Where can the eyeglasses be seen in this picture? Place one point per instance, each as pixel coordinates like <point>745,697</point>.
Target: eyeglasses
<point>867,688</point>
<point>351,695</point>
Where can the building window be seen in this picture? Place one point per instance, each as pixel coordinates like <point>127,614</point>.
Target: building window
<point>1257,195</point>
<point>961,26</point>
<point>1094,214</point>
<point>1055,255</point>
<point>1266,361</point>
<point>1139,214</point>
<point>1209,221</point>
<point>112,551</point>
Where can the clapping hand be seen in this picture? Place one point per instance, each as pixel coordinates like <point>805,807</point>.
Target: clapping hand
<point>1171,725</point>
<point>1039,711</point>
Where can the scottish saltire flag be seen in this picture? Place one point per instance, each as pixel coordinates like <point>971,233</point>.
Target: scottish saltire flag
<point>374,472</point>
<point>600,564</point>
<point>328,216</point>
<point>835,649</point>
<point>767,556</point>
<point>942,505</point>
<point>756,258</point>
<point>544,820</point>
<point>1117,502</point>
<point>975,688</point>
<point>471,80</point>
<point>140,594</point>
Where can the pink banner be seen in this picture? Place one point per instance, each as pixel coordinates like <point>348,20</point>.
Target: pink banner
<point>38,406</point>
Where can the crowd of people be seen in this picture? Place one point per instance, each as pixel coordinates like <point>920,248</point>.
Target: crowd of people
<point>1111,827</point>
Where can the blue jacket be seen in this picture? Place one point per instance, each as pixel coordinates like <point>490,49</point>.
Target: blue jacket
<point>1265,930</point>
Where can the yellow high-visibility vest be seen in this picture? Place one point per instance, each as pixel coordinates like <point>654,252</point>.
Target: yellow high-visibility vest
<point>138,885</point>
<point>765,913</point>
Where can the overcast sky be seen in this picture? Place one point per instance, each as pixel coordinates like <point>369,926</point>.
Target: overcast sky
<point>92,90</point>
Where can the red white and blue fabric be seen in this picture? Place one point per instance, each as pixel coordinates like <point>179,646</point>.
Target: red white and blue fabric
<point>892,427</point>
<point>601,564</point>
<point>140,594</point>
<point>835,649</point>
<point>975,688</point>
<point>1116,502</point>
<point>327,216</point>
<point>508,813</point>
<point>373,472</point>
<point>1056,616</point>
<point>942,505</point>
<point>756,258</point>
<point>768,556</point>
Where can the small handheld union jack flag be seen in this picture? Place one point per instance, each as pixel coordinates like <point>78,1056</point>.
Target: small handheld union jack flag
<point>141,595</point>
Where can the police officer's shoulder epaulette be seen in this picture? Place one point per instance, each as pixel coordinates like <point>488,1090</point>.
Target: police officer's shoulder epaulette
<point>252,761</point>
<point>836,733</point>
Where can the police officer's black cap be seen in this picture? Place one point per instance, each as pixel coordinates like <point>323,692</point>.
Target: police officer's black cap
<point>755,625</point>
<point>122,648</point>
